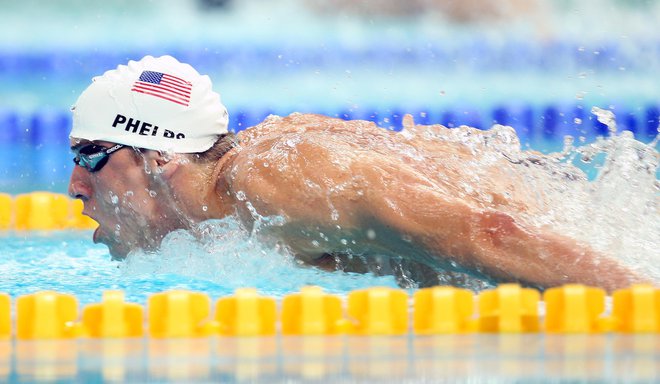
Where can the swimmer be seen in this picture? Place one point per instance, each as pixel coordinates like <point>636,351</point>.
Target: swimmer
<point>153,154</point>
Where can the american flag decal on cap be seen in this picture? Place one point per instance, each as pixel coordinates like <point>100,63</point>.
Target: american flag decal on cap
<point>168,87</point>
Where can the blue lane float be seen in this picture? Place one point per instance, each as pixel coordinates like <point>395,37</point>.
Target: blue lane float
<point>49,127</point>
<point>652,121</point>
<point>10,122</point>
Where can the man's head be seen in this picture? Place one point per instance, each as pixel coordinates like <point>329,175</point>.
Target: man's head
<point>132,130</point>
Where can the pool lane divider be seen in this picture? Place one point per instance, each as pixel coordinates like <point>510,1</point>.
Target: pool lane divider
<point>5,317</point>
<point>377,311</point>
<point>49,128</point>
<point>42,211</point>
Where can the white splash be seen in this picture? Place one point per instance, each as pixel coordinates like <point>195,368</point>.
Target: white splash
<point>226,253</point>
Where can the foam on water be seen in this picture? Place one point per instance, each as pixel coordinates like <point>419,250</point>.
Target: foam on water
<point>225,253</point>
<point>227,259</point>
<point>618,212</point>
<point>603,193</point>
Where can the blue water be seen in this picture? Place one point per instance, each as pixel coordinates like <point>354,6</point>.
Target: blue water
<point>69,262</point>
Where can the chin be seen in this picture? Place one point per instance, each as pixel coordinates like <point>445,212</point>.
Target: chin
<point>117,253</point>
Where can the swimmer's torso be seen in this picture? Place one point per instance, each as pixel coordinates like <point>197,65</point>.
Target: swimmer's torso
<point>324,176</point>
<point>433,196</point>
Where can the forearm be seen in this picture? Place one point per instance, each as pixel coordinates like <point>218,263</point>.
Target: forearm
<point>495,244</point>
<point>547,259</point>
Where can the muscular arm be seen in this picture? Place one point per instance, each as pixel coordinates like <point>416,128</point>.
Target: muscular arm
<point>494,243</point>
<point>324,195</point>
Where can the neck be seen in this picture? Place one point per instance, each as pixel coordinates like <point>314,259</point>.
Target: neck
<point>196,191</point>
<point>219,190</point>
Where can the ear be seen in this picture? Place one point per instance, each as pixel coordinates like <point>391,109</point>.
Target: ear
<point>166,165</point>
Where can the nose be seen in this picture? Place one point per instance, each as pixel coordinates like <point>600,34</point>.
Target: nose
<point>79,187</point>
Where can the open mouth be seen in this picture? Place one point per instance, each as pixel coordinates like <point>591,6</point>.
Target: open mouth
<point>95,236</point>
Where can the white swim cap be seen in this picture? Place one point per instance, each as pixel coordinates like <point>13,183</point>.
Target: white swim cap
<point>155,103</point>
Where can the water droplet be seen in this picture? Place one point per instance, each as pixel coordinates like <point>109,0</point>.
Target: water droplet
<point>205,208</point>
<point>114,199</point>
<point>315,243</point>
<point>343,241</point>
<point>371,234</point>
<point>152,193</point>
<point>577,121</point>
<point>240,195</point>
<point>606,117</point>
<point>129,193</point>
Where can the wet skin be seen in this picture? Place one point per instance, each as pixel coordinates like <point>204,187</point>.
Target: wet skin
<point>346,188</point>
<point>120,197</point>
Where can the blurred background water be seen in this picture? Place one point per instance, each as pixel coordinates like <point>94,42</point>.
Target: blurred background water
<point>538,65</point>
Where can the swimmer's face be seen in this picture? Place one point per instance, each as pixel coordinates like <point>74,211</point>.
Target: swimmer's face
<point>123,198</point>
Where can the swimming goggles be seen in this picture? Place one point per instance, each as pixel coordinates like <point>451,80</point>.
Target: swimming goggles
<point>93,157</point>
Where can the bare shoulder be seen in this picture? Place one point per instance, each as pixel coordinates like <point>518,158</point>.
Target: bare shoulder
<point>303,122</point>
<point>314,161</point>
<point>284,144</point>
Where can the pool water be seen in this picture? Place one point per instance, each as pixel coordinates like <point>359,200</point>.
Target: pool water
<point>68,262</point>
<point>451,358</point>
